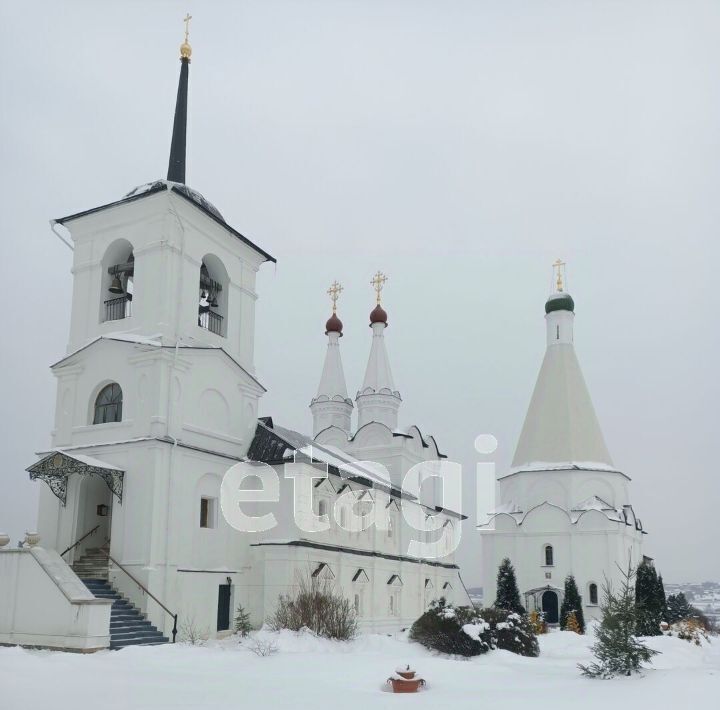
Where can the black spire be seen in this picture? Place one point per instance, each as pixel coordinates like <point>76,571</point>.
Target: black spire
<point>176,166</point>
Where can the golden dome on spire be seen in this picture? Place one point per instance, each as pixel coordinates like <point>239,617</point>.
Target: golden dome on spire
<point>185,48</point>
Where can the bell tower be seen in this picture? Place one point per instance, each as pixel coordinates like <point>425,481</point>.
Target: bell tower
<point>156,395</point>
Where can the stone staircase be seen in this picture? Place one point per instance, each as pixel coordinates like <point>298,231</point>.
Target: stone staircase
<point>128,627</point>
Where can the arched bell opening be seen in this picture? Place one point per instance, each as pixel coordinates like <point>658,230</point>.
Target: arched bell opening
<point>213,296</point>
<point>117,281</point>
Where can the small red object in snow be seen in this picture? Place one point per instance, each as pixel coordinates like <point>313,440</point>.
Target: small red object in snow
<point>404,681</point>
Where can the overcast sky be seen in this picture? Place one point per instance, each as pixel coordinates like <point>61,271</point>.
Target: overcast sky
<point>461,147</point>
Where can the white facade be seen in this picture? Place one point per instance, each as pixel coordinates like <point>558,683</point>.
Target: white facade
<point>188,413</point>
<point>563,508</point>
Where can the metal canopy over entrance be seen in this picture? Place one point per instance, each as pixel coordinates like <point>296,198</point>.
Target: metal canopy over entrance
<point>545,599</point>
<point>57,466</point>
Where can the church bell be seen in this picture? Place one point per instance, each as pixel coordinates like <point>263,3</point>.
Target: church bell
<point>116,285</point>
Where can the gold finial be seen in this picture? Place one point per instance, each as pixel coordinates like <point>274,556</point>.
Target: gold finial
<point>334,292</point>
<point>559,273</point>
<point>185,48</point>
<point>378,281</point>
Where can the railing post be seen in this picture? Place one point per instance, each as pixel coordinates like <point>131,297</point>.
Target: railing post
<point>174,630</point>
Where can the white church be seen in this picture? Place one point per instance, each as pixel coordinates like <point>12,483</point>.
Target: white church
<point>157,398</point>
<point>563,508</point>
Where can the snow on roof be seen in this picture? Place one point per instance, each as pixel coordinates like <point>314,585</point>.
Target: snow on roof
<point>330,455</point>
<point>593,503</point>
<point>564,466</point>
<point>89,460</point>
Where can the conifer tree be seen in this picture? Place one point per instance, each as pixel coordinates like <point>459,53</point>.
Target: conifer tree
<point>571,623</point>
<point>572,603</point>
<point>242,621</point>
<point>661,601</point>
<point>678,608</point>
<point>617,650</point>
<point>508,596</point>
<point>649,610</point>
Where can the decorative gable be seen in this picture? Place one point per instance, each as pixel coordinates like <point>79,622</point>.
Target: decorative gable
<point>361,576</point>
<point>323,571</point>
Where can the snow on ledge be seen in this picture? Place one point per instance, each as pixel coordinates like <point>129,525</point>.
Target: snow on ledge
<point>563,466</point>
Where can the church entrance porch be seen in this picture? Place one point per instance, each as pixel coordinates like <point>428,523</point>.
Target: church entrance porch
<point>546,600</point>
<point>86,488</point>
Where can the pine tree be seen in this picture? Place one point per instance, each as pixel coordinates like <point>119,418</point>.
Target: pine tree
<point>571,623</point>
<point>242,621</point>
<point>508,596</point>
<point>572,603</point>
<point>678,608</point>
<point>617,650</point>
<point>649,610</point>
<point>661,601</point>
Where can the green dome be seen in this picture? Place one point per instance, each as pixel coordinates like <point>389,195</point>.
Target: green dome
<point>560,302</point>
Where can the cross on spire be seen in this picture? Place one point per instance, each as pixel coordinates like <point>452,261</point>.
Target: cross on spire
<point>334,292</point>
<point>378,281</point>
<point>559,273</point>
<point>185,48</point>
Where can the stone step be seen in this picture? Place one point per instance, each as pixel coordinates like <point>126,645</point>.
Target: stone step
<point>116,646</point>
<point>126,618</point>
<point>128,627</point>
<point>135,633</point>
<point>140,624</point>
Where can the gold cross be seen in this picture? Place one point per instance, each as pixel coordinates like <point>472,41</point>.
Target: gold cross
<point>378,281</point>
<point>559,265</point>
<point>334,292</point>
<point>186,20</point>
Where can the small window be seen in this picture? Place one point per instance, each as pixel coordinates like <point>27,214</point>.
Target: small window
<point>557,332</point>
<point>343,517</point>
<point>390,527</point>
<point>593,593</point>
<point>392,605</point>
<point>108,405</point>
<point>322,507</point>
<point>207,512</point>
<point>357,604</point>
<point>549,556</point>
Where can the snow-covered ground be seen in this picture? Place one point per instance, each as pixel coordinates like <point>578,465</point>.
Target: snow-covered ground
<point>307,672</point>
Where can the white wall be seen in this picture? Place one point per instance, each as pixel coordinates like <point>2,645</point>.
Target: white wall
<point>43,603</point>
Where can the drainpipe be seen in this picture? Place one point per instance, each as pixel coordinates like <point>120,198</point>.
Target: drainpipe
<point>60,236</point>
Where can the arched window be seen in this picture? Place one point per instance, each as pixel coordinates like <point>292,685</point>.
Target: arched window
<point>549,556</point>
<point>593,589</point>
<point>390,526</point>
<point>108,405</point>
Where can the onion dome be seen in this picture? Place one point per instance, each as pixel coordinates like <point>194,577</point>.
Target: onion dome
<point>560,302</point>
<point>378,315</point>
<point>334,325</point>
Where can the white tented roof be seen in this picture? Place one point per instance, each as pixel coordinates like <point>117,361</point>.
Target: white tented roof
<point>561,426</point>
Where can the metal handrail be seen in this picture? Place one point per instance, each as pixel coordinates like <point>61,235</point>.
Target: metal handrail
<point>151,595</point>
<point>77,542</point>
